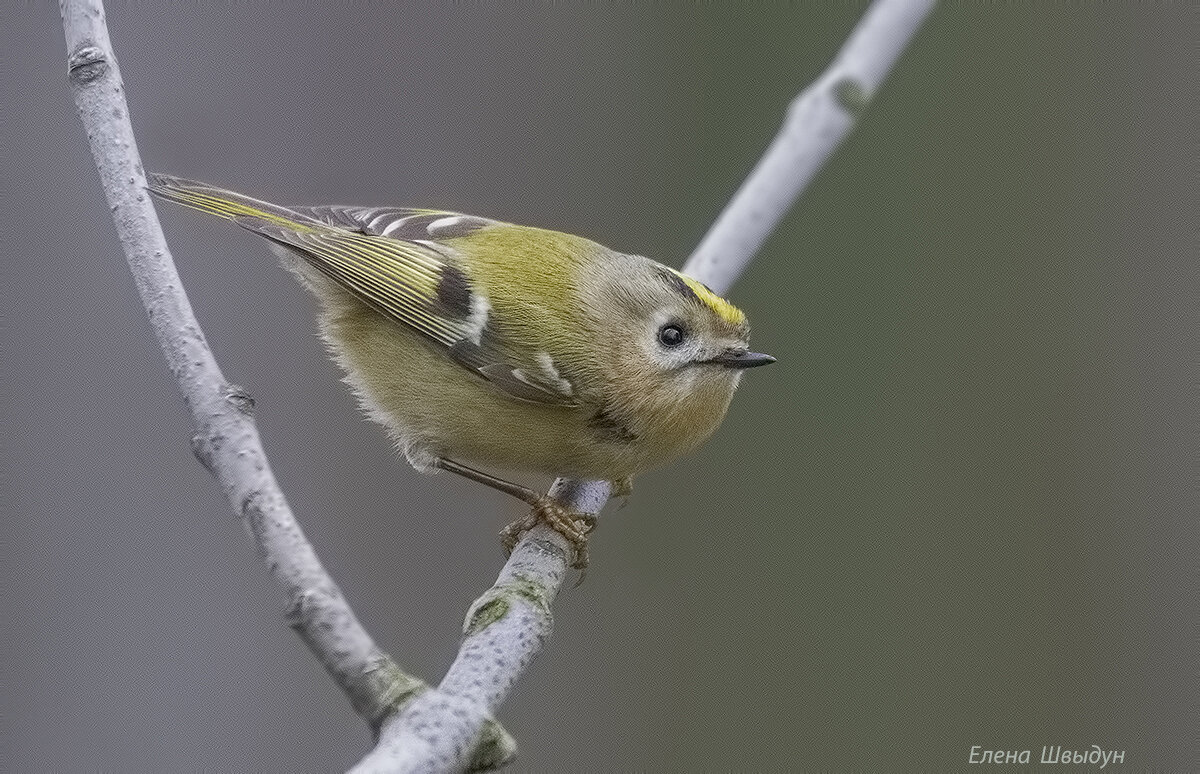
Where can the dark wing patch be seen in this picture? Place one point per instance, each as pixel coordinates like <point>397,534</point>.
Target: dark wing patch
<point>454,292</point>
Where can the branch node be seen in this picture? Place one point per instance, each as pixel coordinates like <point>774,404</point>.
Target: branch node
<point>202,451</point>
<point>495,749</point>
<point>296,614</point>
<point>392,689</point>
<point>254,514</point>
<point>852,96</point>
<point>495,603</point>
<point>86,65</point>
<point>240,399</point>
<point>485,613</point>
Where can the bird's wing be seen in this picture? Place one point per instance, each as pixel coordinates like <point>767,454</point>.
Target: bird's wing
<point>393,260</point>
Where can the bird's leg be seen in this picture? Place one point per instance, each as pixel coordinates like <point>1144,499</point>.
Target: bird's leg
<point>571,525</point>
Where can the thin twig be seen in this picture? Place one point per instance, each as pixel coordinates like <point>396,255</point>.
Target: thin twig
<point>226,440</point>
<point>507,626</point>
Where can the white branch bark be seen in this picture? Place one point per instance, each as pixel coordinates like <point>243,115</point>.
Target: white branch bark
<point>226,440</point>
<point>507,626</point>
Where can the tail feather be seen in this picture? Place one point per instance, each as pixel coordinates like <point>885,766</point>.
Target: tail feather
<point>226,204</point>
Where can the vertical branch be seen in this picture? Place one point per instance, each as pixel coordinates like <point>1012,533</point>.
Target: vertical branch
<point>226,439</point>
<point>507,626</point>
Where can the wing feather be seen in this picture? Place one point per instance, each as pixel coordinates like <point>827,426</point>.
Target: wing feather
<point>393,260</point>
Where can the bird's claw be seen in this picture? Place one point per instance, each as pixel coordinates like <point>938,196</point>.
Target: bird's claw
<point>573,526</point>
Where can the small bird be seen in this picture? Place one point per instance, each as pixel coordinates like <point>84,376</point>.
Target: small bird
<point>478,342</point>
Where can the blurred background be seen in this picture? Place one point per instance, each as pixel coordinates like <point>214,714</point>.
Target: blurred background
<point>960,511</point>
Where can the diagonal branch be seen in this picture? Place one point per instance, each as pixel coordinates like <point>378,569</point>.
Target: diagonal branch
<point>817,121</point>
<point>507,625</point>
<point>226,440</point>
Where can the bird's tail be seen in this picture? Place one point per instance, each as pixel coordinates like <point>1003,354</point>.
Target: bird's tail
<point>226,204</point>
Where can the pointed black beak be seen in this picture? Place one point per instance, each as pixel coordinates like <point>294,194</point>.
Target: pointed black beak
<point>740,358</point>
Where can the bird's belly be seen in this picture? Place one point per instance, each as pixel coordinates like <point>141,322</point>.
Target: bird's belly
<point>432,407</point>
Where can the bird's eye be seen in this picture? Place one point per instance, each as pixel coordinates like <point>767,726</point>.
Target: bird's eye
<point>671,335</point>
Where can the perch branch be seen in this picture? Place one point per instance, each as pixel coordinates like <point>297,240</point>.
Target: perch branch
<point>226,440</point>
<point>506,627</point>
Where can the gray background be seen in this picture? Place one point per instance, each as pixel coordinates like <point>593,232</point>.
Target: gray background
<point>960,511</point>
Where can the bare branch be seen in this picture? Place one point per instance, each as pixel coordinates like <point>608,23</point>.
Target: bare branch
<point>504,630</point>
<point>819,118</point>
<point>226,439</point>
<point>508,624</point>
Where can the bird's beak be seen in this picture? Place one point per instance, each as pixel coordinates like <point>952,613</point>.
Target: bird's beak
<point>741,358</point>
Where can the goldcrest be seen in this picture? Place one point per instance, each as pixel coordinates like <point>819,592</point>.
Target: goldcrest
<point>486,343</point>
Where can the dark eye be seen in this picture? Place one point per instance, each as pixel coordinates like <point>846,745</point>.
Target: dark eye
<point>671,335</point>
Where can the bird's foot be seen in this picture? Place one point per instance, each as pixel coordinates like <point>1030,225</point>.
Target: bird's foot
<point>572,525</point>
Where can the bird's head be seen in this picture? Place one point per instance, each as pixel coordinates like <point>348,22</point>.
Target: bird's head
<point>673,350</point>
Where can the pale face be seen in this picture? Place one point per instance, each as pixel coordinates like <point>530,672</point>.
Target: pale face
<point>684,337</point>
<point>667,337</point>
<point>680,337</point>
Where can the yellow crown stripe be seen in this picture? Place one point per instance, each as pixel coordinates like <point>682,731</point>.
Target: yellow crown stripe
<point>723,309</point>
